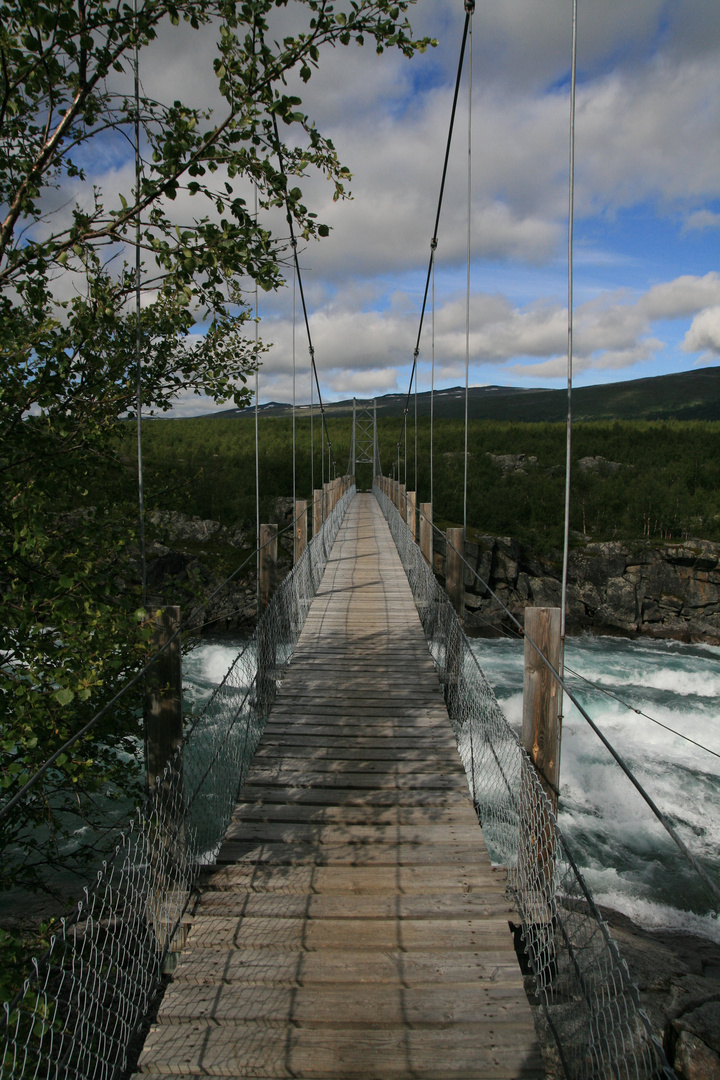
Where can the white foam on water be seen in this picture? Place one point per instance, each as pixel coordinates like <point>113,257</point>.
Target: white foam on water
<point>654,916</point>
<point>623,851</point>
<point>206,666</point>
<point>210,661</point>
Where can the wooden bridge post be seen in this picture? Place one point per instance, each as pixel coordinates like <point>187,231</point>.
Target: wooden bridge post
<point>163,700</point>
<point>268,564</point>
<point>540,729</point>
<point>301,528</point>
<point>317,511</point>
<point>402,504</point>
<point>163,717</point>
<point>455,570</point>
<point>326,501</point>
<point>412,513</point>
<point>426,533</point>
<point>265,679</point>
<point>537,849</point>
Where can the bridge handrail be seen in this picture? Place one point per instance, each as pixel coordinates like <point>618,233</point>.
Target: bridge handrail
<point>591,1004</point>
<point>88,995</point>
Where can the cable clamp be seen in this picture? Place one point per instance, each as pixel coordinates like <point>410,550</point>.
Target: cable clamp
<point>470,7</point>
<point>293,242</point>
<point>416,353</point>
<point>433,243</point>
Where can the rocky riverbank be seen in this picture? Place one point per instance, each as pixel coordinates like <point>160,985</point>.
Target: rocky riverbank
<point>678,978</point>
<point>189,557</point>
<point>668,591</point>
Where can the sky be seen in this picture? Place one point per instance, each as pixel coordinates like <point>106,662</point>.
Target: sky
<point>647,201</point>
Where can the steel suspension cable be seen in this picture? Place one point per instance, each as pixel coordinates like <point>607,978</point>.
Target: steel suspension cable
<point>639,712</point>
<point>467,295</point>
<point>469,9</point>
<point>138,328</point>
<point>568,447</point>
<point>257,439</point>
<point>571,219</point>
<point>432,388</point>
<point>294,494</point>
<point>415,484</point>
<point>293,244</point>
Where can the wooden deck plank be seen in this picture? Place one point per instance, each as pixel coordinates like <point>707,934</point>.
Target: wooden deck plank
<point>352,926</point>
<point>246,1048</point>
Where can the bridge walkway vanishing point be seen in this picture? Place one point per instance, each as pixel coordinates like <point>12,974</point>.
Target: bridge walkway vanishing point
<point>353,925</point>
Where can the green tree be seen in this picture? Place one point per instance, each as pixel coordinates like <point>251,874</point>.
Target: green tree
<point>68,333</point>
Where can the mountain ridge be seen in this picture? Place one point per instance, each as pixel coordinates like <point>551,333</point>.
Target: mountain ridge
<point>687,395</point>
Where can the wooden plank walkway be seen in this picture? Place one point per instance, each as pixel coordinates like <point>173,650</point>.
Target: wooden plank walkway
<point>353,926</point>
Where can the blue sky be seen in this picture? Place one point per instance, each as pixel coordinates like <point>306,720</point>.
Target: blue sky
<point>647,223</point>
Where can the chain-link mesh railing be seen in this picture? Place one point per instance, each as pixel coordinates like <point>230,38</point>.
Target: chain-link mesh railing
<point>590,1002</point>
<point>88,995</point>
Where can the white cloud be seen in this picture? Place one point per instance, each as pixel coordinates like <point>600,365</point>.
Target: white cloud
<point>363,351</point>
<point>700,220</point>
<point>648,117</point>
<point>704,332</point>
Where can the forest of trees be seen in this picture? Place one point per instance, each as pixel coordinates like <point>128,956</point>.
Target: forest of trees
<point>666,488</point>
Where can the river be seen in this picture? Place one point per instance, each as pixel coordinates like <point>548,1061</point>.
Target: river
<point>625,855</point>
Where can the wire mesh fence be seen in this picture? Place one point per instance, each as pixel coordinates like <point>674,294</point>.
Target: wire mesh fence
<point>87,996</point>
<point>589,999</point>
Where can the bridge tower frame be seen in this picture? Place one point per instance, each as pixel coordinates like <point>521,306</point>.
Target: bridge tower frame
<point>364,443</point>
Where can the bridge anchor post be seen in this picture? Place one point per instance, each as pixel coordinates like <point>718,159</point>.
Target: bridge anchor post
<point>265,684</point>
<point>165,782</point>
<point>455,570</point>
<point>411,513</point>
<point>301,529</point>
<point>540,728</point>
<point>426,533</point>
<point>317,511</point>
<point>537,855</point>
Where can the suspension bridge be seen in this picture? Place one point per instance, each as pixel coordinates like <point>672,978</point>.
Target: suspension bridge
<point>353,925</point>
<point>330,862</point>
<point>331,856</point>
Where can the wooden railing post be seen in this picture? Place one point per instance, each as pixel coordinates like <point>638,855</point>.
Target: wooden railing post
<point>317,510</point>
<point>268,564</point>
<point>265,685</point>
<point>301,529</point>
<point>455,570</point>
<point>164,726</point>
<point>326,501</point>
<point>411,513</point>
<point>540,730</point>
<point>426,533</point>
<point>163,702</point>
<point>402,505</point>
<point>537,849</point>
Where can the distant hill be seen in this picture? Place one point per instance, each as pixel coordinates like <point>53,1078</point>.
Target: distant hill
<point>688,395</point>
